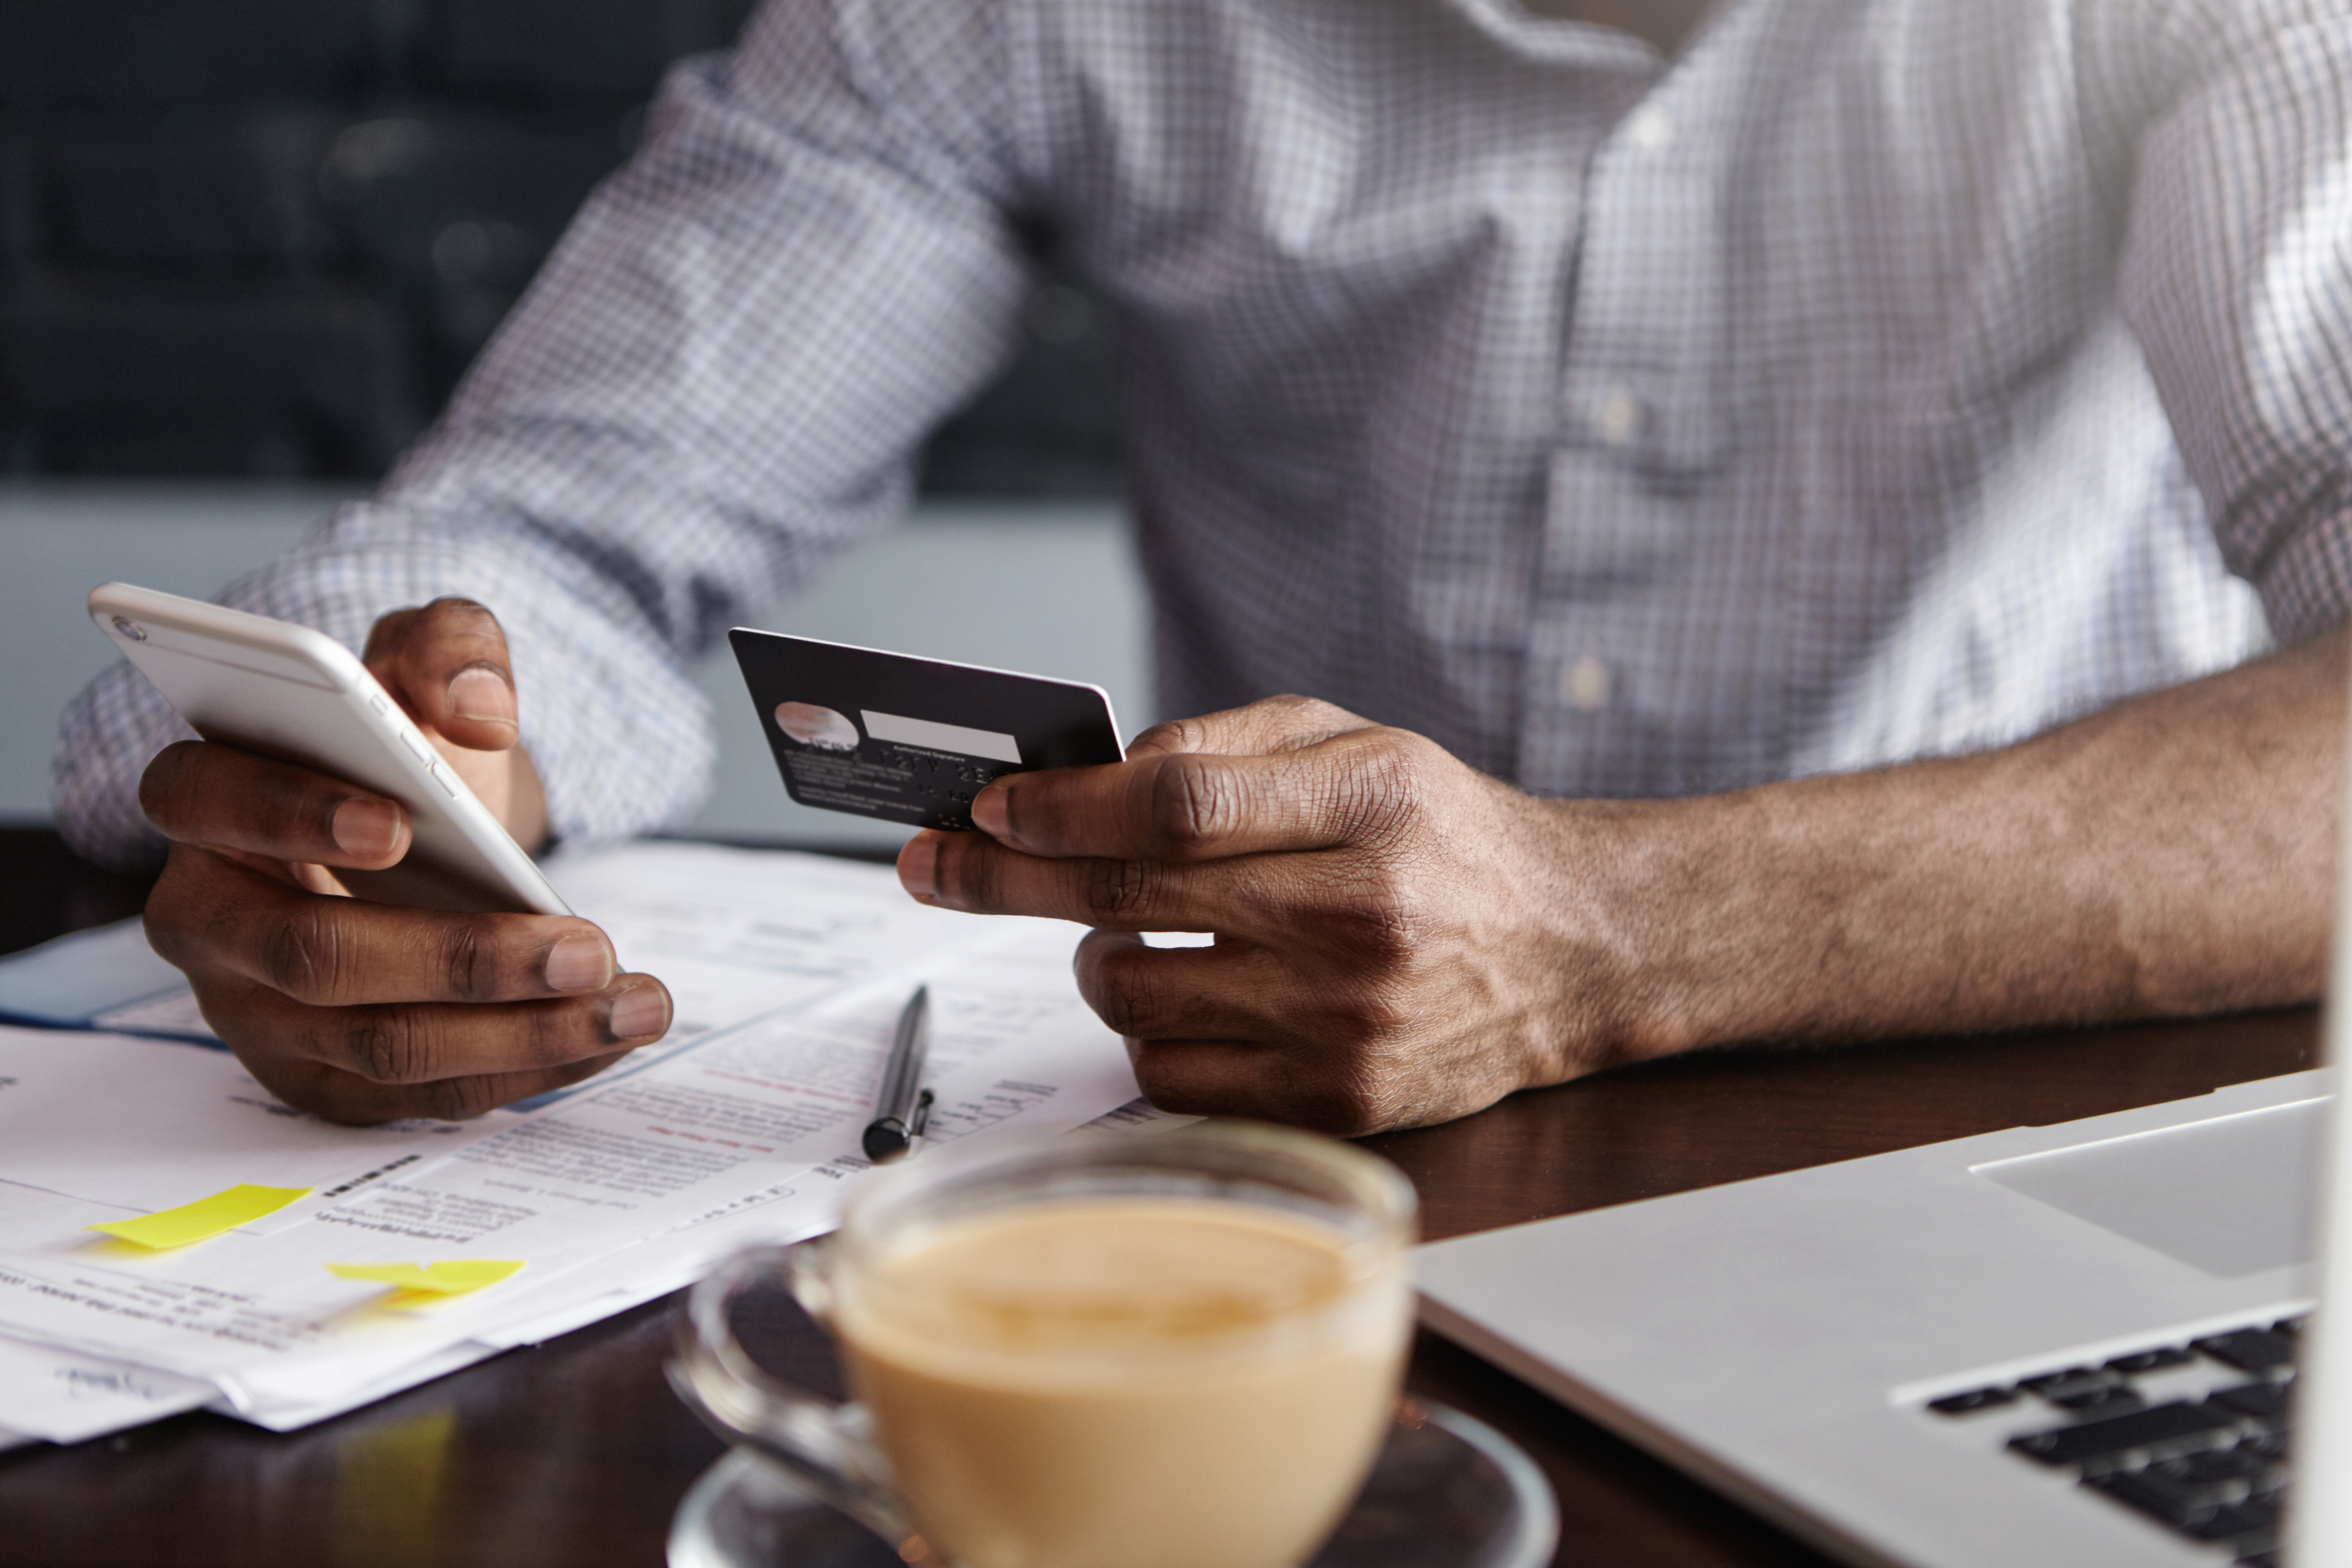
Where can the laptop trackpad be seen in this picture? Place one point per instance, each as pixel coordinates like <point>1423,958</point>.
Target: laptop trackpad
<point>2231,1196</point>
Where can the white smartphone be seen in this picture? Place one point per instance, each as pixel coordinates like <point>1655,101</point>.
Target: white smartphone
<point>298,696</point>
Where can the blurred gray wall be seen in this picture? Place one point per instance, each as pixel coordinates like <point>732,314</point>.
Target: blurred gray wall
<point>247,246</point>
<point>1047,586</point>
<point>262,238</point>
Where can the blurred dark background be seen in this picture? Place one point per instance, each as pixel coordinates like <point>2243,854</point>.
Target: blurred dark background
<point>263,239</point>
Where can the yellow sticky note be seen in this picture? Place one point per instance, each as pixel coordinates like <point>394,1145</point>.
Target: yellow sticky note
<point>450,1276</point>
<point>205,1216</point>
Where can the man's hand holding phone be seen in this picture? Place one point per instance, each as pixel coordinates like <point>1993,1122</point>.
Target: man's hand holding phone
<point>364,1012</point>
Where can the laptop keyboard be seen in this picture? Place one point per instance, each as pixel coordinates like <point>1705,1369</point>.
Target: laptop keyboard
<point>2212,1468</point>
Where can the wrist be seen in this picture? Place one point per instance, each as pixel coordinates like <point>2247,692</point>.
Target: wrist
<point>1649,946</point>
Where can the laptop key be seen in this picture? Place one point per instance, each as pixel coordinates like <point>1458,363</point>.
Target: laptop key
<point>2249,1526</point>
<point>2093,1404</point>
<point>2150,1360</point>
<point>2265,1402</point>
<point>2271,1445</point>
<point>2050,1380</point>
<point>2180,1504</point>
<point>1974,1399</point>
<point>2074,1389</point>
<point>2117,1442</point>
<point>2251,1350</point>
<point>2242,1463</point>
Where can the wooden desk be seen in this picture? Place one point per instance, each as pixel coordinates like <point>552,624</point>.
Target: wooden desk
<point>575,1453</point>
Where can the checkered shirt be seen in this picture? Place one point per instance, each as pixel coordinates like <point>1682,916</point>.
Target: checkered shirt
<point>1877,379</point>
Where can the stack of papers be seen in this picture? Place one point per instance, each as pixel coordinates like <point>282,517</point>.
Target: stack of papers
<point>171,1236</point>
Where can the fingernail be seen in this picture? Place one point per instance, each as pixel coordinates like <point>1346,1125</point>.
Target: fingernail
<point>580,962</point>
<point>640,1010</point>
<point>988,812</point>
<point>918,865</point>
<point>366,828</point>
<point>478,694</point>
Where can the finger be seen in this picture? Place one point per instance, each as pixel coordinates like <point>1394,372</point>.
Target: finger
<point>209,912</point>
<point>1094,805</point>
<point>1255,898</point>
<point>418,1045</point>
<point>1211,1033</point>
<point>1232,991</point>
<point>447,664</point>
<point>1227,1077</point>
<point>1236,991</point>
<point>1202,1045</point>
<point>199,793</point>
<point>347,1098</point>
<point>1271,724</point>
<point>1190,808</point>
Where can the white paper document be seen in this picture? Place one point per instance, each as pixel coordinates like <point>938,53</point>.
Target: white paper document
<point>64,1396</point>
<point>789,973</point>
<point>133,1125</point>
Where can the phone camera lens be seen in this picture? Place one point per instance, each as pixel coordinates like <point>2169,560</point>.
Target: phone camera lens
<point>134,632</point>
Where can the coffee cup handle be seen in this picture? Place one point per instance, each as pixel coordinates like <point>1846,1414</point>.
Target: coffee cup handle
<point>826,1447</point>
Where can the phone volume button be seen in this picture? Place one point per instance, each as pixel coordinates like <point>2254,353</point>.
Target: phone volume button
<point>441,776</point>
<point>418,747</point>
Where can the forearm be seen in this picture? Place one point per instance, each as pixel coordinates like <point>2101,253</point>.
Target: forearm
<point>2171,855</point>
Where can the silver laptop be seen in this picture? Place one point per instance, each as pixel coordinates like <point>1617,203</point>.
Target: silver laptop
<point>2089,1344</point>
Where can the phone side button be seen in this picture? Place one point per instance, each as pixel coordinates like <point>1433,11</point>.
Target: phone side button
<point>441,776</point>
<point>418,747</point>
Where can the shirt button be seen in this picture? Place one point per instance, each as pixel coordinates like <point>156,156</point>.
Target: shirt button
<point>1584,684</point>
<point>1649,128</point>
<point>1619,415</point>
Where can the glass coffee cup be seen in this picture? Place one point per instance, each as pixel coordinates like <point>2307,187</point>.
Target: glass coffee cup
<point>1138,1350</point>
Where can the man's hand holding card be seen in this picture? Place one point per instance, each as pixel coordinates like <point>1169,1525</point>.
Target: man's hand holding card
<point>1389,939</point>
<point>1390,927</point>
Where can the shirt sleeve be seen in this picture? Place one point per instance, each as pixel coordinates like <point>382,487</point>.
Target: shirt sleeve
<point>2237,277</point>
<point>717,383</point>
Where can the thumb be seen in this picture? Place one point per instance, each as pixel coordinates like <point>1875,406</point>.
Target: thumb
<point>447,664</point>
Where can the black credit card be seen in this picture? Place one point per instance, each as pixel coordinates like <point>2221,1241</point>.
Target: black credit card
<point>911,740</point>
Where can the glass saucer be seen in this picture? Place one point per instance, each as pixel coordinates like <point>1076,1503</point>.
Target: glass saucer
<point>1448,1492</point>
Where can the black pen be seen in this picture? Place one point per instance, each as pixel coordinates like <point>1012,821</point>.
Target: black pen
<point>903,1108</point>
